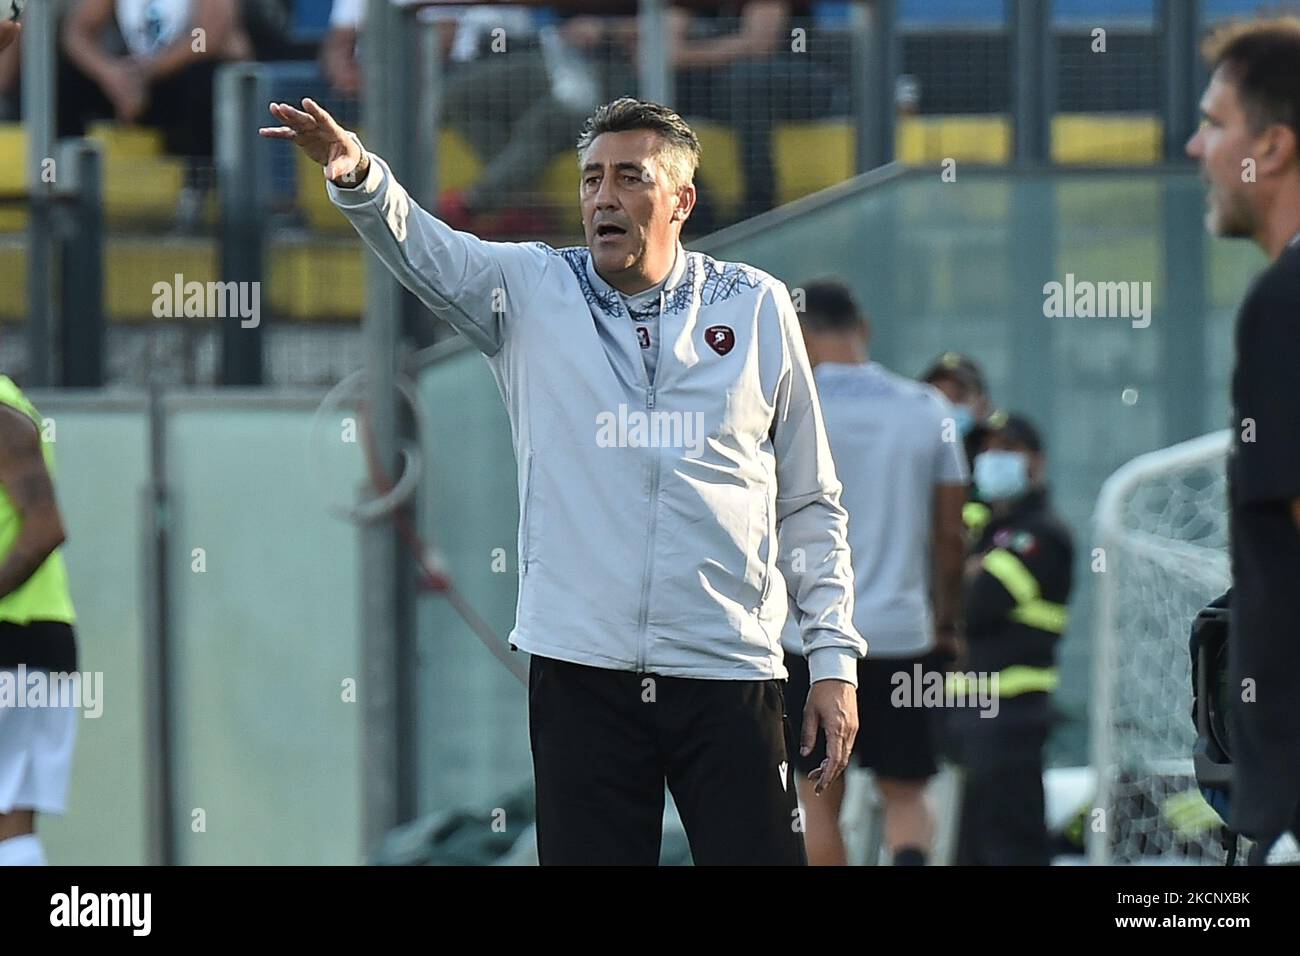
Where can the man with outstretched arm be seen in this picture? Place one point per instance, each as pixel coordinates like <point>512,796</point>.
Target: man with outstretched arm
<point>667,434</point>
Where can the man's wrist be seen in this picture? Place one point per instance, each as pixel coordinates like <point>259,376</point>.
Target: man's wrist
<point>833,663</point>
<point>357,174</point>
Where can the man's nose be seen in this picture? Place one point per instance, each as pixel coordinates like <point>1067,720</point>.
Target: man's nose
<point>606,194</point>
<point>1193,147</point>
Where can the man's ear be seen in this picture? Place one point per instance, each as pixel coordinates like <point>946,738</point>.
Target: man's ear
<point>1278,148</point>
<point>685,203</point>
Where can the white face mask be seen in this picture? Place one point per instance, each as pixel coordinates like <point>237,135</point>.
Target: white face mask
<point>963,418</point>
<point>1001,475</point>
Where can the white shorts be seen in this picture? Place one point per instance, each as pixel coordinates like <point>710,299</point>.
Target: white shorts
<point>36,746</point>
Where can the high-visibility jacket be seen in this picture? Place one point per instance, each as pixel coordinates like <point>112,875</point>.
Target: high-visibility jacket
<point>1016,601</point>
<point>44,596</point>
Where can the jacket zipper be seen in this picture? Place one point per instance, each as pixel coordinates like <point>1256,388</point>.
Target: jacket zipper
<point>644,620</point>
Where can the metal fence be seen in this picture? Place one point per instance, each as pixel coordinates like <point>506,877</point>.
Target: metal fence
<point>497,101</point>
<point>219,601</point>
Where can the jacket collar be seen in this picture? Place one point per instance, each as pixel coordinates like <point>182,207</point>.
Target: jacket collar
<point>603,288</point>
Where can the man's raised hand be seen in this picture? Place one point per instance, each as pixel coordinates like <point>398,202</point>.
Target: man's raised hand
<point>317,134</point>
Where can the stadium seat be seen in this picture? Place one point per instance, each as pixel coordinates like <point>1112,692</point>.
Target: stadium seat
<point>13,156</point>
<point>133,264</point>
<point>141,182</point>
<point>1078,138</point>
<point>1106,139</point>
<point>13,275</point>
<point>924,140</point>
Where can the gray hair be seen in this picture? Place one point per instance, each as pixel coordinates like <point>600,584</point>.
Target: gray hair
<point>681,147</point>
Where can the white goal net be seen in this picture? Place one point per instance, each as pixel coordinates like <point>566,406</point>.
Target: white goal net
<point>1163,526</point>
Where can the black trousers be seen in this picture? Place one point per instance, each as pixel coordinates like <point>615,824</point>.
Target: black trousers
<point>181,105</point>
<point>1002,816</point>
<point>1003,806</point>
<point>1259,853</point>
<point>605,741</point>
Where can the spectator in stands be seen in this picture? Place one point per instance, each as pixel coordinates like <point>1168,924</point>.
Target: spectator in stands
<point>163,78</point>
<point>463,29</point>
<point>10,54</point>
<point>740,65</point>
<point>520,111</point>
<point>338,54</point>
<point>269,25</point>
<point>517,104</point>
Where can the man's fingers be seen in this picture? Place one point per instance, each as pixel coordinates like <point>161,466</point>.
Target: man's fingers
<point>276,132</point>
<point>836,759</point>
<point>850,738</point>
<point>293,118</point>
<point>318,113</point>
<point>808,735</point>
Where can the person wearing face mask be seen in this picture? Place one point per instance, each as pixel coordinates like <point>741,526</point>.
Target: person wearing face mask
<point>959,379</point>
<point>1018,579</point>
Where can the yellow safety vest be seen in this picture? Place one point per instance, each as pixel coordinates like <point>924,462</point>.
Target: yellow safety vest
<point>1031,609</point>
<point>45,595</point>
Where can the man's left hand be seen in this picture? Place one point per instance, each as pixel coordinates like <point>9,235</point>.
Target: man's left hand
<point>833,707</point>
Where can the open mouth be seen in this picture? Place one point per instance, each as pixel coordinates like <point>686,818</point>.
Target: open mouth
<point>607,230</point>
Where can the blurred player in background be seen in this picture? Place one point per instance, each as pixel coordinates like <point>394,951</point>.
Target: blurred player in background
<point>961,381</point>
<point>161,80</point>
<point>898,456</point>
<point>652,590</point>
<point>1248,147</point>
<point>36,633</point>
<point>1018,582</point>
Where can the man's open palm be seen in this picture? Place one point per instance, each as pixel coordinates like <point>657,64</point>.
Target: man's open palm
<point>317,134</point>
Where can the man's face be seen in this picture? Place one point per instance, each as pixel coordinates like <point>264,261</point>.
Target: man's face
<point>1221,144</point>
<point>630,211</point>
<point>959,393</point>
<point>953,390</point>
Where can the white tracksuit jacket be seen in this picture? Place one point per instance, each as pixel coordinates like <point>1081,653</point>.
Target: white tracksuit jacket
<point>649,511</point>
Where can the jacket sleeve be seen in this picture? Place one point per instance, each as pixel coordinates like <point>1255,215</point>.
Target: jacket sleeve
<point>475,285</point>
<point>812,526</point>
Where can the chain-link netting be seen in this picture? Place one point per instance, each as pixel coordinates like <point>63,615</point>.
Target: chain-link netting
<point>1164,533</point>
